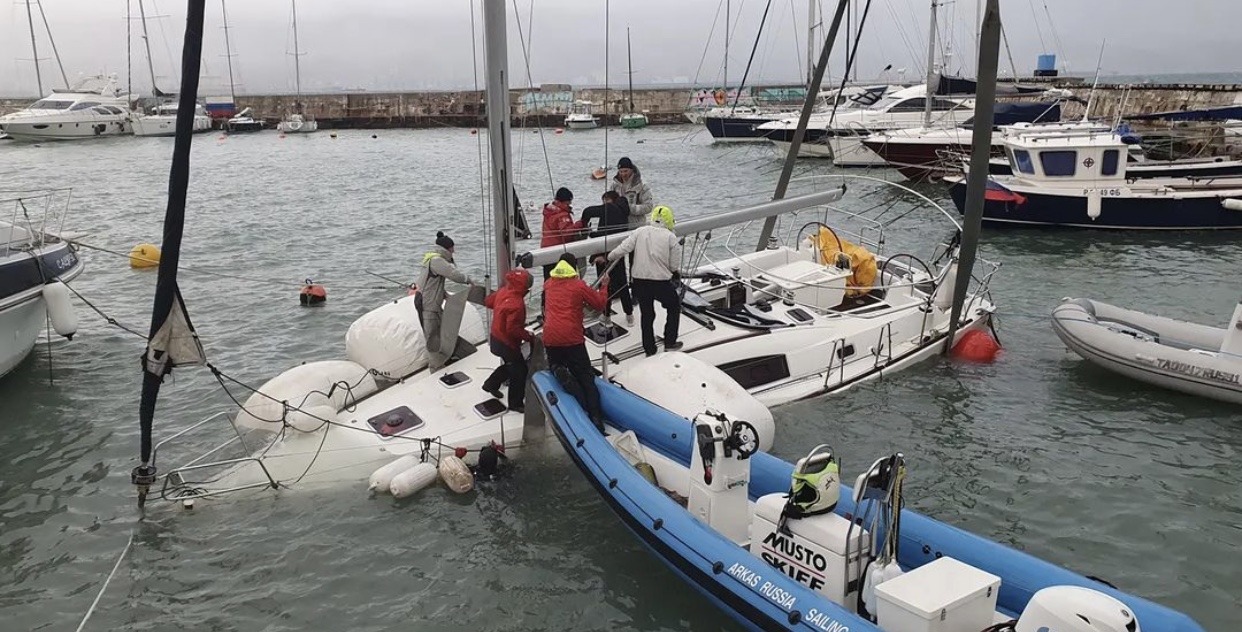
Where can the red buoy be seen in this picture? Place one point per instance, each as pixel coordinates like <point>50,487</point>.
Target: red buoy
<point>312,294</point>
<point>976,345</point>
<point>460,452</point>
<point>473,132</point>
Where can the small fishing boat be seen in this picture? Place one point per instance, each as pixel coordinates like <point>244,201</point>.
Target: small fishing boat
<point>162,121</point>
<point>777,546</point>
<point>1081,179</point>
<point>1187,357</point>
<point>580,116</point>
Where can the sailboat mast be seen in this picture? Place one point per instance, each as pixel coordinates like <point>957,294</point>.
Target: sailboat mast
<point>629,67</point>
<point>228,52</point>
<point>297,53</point>
<point>34,47</point>
<point>931,68</point>
<point>726,52</point>
<point>51,40</point>
<point>129,49</point>
<point>810,40</point>
<point>146,39</point>
<point>496,46</point>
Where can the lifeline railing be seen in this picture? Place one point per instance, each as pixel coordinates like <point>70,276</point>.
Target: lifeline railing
<point>181,490</point>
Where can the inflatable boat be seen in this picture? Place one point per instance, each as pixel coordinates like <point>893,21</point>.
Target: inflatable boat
<point>716,510</point>
<point>1187,357</point>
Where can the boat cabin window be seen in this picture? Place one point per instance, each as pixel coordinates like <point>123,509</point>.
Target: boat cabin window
<point>1109,166</point>
<point>112,109</point>
<point>1022,160</point>
<point>83,105</point>
<point>1059,163</point>
<point>50,104</point>
<point>753,372</point>
<point>908,105</point>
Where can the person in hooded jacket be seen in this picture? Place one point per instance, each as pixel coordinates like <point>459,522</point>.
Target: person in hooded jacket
<point>563,338</point>
<point>559,226</point>
<point>508,305</point>
<point>656,254</point>
<point>613,216</point>
<point>629,184</point>
<point>438,266</point>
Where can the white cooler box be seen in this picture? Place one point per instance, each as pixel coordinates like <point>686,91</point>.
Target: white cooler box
<point>942,596</point>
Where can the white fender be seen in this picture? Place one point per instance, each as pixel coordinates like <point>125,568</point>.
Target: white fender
<point>688,386</point>
<point>60,310</point>
<point>382,478</point>
<point>306,387</point>
<point>1094,201</point>
<point>409,482</point>
<point>456,474</point>
<point>1232,204</point>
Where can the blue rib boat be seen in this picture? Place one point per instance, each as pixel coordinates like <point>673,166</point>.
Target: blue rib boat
<point>773,585</point>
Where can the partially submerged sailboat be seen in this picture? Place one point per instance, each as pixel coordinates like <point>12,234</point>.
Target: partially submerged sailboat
<point>780,546</point>
<point>1188,357</point>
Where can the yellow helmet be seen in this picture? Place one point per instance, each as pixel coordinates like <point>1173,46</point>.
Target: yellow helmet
<point>664,215</point>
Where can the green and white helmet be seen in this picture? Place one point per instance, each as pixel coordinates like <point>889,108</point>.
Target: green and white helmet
<point>816,485</point>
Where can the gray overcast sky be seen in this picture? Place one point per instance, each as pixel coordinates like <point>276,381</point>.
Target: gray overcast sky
<point>403,44</point>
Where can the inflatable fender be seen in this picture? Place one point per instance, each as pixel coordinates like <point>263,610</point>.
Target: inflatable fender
<point>60,310</point>
<point>413,480</point>
<point>306,387</point>
<point>382,478</point>
<point>456,474</point>
<point>389,339</point>
<point>688,386</point>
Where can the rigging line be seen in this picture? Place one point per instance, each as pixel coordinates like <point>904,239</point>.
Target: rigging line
<point>1056,38</point>
<point>753,49</point>
<point>849,61</point>
<point>607,18</point>
<point>706,47</point>
<point>128,543</point>
<point>797,44</point>
<point>483,197</point>
<point>110,320</point>
<point>530,81</point>
<point>1035,21</point>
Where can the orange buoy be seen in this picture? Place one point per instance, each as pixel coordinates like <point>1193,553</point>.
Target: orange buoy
<point>598,174</point>
<point>560,130</point>
<point>976,345</point>
<point>312,294</point>
<point>473,132</point>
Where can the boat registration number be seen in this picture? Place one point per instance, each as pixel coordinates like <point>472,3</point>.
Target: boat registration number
<point>1185,368</point>
<point>1104,192</point>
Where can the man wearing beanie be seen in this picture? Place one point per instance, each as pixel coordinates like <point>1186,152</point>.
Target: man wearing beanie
<point>559,227</point>
<point>656,256</point>
<point>629,183</point>
<point>437,266</point>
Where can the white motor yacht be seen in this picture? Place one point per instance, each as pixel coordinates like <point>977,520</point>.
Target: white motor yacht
<point>162,121</point>
<point>92,109</point>
<point>34,266</point>
<point>581,117</point>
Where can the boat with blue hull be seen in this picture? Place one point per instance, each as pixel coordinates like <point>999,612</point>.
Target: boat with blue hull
<point>729,538</point>
<point>1081,179</point>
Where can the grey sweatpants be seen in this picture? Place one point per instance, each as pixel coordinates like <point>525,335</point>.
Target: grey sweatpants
<point>431,333</point>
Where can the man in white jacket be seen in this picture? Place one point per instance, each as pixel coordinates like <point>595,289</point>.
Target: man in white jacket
<point>656,256</point>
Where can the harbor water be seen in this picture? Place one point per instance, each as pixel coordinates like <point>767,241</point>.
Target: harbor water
<point>1037,450</point>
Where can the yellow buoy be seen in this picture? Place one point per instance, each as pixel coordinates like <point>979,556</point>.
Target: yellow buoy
<point>144,256</point>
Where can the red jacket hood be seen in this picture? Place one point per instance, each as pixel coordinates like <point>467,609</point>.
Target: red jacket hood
<point>518,280</point>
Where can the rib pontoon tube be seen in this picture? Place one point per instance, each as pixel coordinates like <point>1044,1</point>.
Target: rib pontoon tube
<point>698,554</point>
<point>1169,353</point>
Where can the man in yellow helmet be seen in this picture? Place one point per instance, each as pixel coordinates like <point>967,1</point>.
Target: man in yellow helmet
<point>656,255</point>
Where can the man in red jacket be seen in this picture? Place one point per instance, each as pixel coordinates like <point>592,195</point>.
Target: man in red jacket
<point>508,305</point>
<point>563,337</point>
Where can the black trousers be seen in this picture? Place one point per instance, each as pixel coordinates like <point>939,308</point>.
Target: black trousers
<point>580,381</point>
<point>647,293</point>
<point>513,371</point>
<point>618,285</point>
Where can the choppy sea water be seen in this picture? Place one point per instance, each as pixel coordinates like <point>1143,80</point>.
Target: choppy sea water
<point>1037,450</point>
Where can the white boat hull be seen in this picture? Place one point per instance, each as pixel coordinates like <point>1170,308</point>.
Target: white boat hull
<point>167,125</point>
<point>582,124</point>
<point>20,324</point>
<point>37,129</point>
<point>849,151</point>
<point>297,127</point>
<point>805,150</point>
<point>1160,351</point>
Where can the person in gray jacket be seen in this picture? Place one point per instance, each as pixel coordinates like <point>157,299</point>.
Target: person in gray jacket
<point>657,255</point>
<point>629,183</point>
<point>438,266</point>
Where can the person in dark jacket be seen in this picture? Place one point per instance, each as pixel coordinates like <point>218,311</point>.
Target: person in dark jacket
<point>613,216</point>
<point>563,337</point>
<point>508,305</point>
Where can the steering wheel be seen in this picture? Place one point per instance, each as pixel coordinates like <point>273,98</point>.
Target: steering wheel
<point>744,438</point>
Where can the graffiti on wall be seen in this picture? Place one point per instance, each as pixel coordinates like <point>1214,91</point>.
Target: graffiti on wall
<point>546,102</point>
<point>711,97</point>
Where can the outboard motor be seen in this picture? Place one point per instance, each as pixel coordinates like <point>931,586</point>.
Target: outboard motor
<point>1075,609</point>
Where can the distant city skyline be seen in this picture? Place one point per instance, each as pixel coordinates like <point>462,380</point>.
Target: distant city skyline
<point>377,45</point>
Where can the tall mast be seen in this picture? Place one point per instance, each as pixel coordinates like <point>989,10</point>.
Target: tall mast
<point>629,67</point>
<point>146,39</point>
<point>297,66</point>
<point>810,40</point>
<point>228,52</point>
<point>129,49</point>
<point>52,41</point>
<point>35,48</point>
<point>931,68</point>
<point>726,52</point>
<point>496,45</point>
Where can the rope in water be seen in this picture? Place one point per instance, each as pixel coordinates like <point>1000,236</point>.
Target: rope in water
<point>107,580</point>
